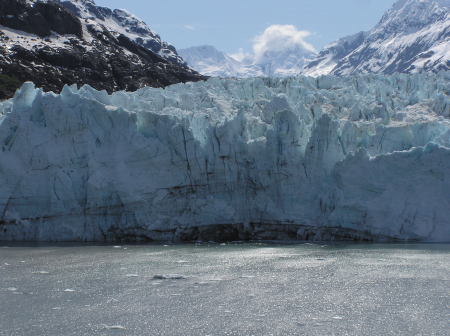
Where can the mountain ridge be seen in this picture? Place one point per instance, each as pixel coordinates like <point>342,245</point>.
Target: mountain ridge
<point>54,43</point>
<point>210,61</point>
<point>412,36</point>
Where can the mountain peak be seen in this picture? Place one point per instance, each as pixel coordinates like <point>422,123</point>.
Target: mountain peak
<point>272,63</point>
<point>412,36</point>
<point>211,62</point>
<point>58,42</point>
<point>414,14</point>
<point>400,4</point>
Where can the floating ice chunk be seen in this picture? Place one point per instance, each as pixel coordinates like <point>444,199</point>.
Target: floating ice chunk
<point>113,327</point>
<point>215,279</point>
<point>11,289</point>
<point>168,277</point>
<point>201,283</point>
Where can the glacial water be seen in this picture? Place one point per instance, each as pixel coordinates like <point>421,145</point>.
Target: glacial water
<point>234,289</point>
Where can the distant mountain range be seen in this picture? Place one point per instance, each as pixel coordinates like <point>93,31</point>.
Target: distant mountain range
<point>413,36</point>
<point>54,42</point>
<point>212,62</point>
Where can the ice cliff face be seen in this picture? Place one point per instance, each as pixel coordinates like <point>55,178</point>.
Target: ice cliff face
<point>364,158</point>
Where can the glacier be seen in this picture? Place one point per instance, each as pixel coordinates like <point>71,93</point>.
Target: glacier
<point>363,158</point>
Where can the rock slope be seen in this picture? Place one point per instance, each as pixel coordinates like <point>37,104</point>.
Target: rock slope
<point>360,158</point>
<point>413,36</point>
<point>53,43</point>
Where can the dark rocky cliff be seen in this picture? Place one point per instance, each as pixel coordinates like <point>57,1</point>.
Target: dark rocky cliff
<point>50,45</point>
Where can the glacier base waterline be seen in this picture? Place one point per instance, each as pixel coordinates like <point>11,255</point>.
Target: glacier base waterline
<point>359,158</point>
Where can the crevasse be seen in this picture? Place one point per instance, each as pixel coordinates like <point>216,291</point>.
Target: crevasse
<point>361,158</point>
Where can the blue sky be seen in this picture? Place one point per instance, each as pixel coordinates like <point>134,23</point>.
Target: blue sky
<point>233,24</point>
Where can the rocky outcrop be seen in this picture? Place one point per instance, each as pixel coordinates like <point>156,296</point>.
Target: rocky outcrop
<point>42,19</point>
<point>48,44</point>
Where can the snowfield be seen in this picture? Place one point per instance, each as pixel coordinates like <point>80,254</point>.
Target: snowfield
<point>363,158</point>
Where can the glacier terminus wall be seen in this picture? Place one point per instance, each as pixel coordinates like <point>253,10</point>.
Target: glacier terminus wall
<point>359,158</point>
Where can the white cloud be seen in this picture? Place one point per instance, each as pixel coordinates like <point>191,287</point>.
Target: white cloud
<point>277,38</point>
<point>189,27</point>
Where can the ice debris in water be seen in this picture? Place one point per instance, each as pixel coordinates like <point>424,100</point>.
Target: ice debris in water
<point>113,327</point>
<point>168,277</point>
<point>132,275</point>
<point>362,157</point>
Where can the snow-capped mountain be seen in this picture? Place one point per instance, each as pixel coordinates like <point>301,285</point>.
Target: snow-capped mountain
<point>283,63</point>
<point>59,42</point>
<point>209,61</point>
<point>413,36</point>
<point>120,21</point>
